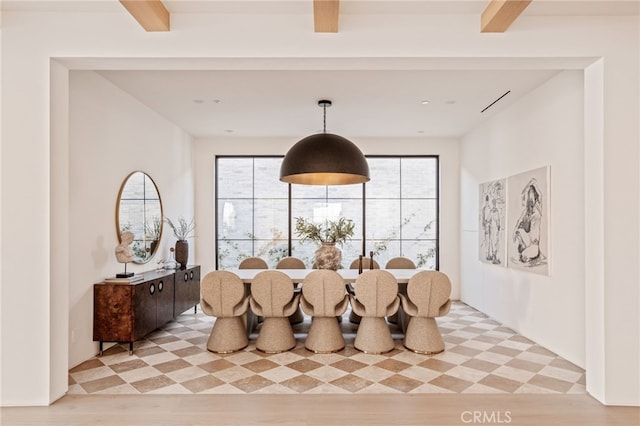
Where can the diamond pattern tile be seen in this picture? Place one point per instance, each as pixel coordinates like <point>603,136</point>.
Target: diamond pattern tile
<point>481,356</point>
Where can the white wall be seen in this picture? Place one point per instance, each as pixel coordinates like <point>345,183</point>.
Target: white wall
<point>31,90</point>
<point>110,135</point>
<point>543,128</point>
<point>447,149</point>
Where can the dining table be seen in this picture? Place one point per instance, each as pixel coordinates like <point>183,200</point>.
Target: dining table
<point>349,276</point>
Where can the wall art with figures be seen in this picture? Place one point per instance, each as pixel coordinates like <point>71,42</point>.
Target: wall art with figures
<point>514,218</point>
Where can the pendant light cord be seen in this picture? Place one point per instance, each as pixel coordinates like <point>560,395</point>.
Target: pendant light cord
<point>324,122</point>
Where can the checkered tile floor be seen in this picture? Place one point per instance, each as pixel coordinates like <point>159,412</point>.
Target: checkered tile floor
<point>481,356</point>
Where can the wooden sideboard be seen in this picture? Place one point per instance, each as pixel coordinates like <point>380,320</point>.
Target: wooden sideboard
<point>126,312</point>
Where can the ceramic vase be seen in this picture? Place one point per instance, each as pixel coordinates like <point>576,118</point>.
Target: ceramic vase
<point>328,256</point>
<point>182,253</point>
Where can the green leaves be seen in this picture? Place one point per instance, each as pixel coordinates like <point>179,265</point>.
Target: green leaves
<point>336,232</point>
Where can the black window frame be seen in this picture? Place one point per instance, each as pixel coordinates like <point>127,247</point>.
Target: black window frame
<point>364,191</point>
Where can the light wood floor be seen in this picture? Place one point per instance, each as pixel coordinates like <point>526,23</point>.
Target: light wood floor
<point>300,410</point>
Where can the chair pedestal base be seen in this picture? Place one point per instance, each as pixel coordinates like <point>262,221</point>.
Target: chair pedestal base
<point>324,336</point>
<point>373,336</point>
<point>275,335</point>
<point>228,334</point>
<point>423,336</point>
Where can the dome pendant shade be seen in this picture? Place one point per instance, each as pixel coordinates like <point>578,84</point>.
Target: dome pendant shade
<point>324,159</point>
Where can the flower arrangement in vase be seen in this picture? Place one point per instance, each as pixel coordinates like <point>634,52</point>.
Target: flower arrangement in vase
<point>182,229</point>
<point>328,256</point>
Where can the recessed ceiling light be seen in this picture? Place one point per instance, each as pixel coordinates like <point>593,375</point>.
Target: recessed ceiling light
<point>450,102</point>
<point>216,101</point>
<point>229,131</point>
<point>198,101</point>
<point>425,102</point>
<point>420,131</point>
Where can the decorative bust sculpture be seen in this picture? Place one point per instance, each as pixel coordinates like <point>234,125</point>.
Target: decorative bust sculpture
<point>124,254</point>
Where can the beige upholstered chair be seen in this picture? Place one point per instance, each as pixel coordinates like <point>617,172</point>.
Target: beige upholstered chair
<point>376,296</point>
<point>290,263</point>
<point>293,263</point>
<point>222,295</point>
<point>324,298</point>
<point>253,263</point>
<point>272,298</point>
<point>365,263</point>
<point>427,297</point>
<point>400,263</point>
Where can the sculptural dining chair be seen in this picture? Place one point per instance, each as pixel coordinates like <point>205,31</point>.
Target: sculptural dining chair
<point>272,297</point>
<point>290,262</point>
<point>252,263</point>
<point>324,298</point>
<point>376,296</point>
<point>293,263</point>
<point>366,262</point>
<point>427,297</point>
<point>222,295</point>
<point>400,262</point>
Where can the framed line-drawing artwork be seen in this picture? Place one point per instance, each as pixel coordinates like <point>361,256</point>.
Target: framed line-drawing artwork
<point>528,221</point>
<point>492,222</point>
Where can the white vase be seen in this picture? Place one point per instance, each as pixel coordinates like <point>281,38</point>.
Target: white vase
<point>328,256</point>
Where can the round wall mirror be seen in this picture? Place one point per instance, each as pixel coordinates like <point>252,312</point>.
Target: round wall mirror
<point>139,210</point>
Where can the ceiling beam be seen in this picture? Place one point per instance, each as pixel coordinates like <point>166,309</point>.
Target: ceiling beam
<point>325,15</point>
<point>500,14</point>
<point>150,14</point>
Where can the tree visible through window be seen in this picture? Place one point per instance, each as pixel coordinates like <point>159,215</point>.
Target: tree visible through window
<point>396,213</point>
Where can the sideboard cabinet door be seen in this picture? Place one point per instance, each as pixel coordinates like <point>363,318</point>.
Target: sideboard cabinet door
<point>112,313</point>
<point>128,312</point>
<point>164,300</point>
<point>187,289</point>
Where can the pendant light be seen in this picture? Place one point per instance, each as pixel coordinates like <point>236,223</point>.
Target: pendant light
<point>324,159</point>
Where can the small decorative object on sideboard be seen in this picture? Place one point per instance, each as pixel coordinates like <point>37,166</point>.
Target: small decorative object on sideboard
<point>328,256</point>
<point>171,262</point>
<point>182,229</point>
<point>124,254</point>
<point>119,280</point>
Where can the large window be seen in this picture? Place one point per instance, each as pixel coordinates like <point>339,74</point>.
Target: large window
<point>396,213</point>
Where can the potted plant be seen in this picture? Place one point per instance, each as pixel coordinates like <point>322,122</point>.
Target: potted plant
<point>328,256</point>
<point>182,229</point>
